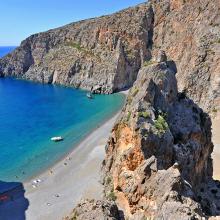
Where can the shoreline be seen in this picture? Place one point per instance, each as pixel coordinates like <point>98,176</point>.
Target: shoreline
<point>125,93</point>
<point>75,176</point>
<point>72,150</point>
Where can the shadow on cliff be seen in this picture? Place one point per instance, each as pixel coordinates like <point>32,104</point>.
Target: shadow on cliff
<point>13,203</point>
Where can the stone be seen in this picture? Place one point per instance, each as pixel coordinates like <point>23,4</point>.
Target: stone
<point>96,210</point>
<point>161,57</point>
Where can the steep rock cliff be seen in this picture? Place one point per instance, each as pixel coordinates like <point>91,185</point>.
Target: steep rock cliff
<point>189,32</point>
<point>158,159</point>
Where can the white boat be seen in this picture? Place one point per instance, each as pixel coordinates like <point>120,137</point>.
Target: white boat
<point>89,95</point>
<point>56,139</point>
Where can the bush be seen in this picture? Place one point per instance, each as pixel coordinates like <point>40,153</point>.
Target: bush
<point>215,110</point>
<point>144,114</point>
<point>161,124</point>
<point>128,116</point>
<point>136,90</point>
<point>129,100</point>
<point>148,63</point>
<point>112,196</point>
<point>74,45</point>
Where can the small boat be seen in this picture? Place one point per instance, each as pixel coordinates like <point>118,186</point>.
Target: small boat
<point>89,95</point>
<point>56,139</point>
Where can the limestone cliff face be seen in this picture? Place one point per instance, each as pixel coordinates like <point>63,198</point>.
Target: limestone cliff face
<point>103,53</point>
<point>189,32</point>
<point>106,53</point>
<point>158,159</point>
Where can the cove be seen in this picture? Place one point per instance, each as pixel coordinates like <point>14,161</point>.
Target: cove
<point>32,113</point>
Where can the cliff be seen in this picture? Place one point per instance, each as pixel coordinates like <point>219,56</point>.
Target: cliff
<point>106,53</point>
<point>102,53</point>
<point>188,30</point>
<point>158,161</point>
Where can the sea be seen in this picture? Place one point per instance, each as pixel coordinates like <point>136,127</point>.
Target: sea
<point>31,113</point>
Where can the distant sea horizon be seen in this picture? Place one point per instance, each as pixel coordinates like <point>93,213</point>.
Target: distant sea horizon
<point>4,50</point>
<point>31,113</point>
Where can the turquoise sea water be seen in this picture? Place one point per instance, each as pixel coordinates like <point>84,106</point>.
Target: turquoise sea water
<point>32,113</point>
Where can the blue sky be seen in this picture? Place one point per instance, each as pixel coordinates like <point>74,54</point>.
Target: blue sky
<point>21,18</point>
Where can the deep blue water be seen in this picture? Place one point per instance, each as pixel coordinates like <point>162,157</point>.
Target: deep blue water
<point>32,113</point>
<point>6,50</point>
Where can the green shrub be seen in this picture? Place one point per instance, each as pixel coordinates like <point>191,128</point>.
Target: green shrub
<point>74,216</point>
<point>74,45</point>
<point>129,100</point>
<point>148,63</point>
<point>135,91</point>
<point>108,180</point>
<point>144,114</point>
<point>128,116</point>
<point>161,124</point>
<point>215,110</point>
<point>218,41</point>
<point>112,196</point>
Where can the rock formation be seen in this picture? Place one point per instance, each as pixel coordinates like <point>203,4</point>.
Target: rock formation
<point>188,30</point>
<point>158,159</point>
<point>159,154</point>
<point>105,54</point>
<point>96,210</point>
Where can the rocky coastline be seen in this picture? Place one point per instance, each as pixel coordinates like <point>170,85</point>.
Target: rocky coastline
<point>158,162</point>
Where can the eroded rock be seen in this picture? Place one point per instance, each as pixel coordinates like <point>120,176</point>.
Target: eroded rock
<point>159,153</point>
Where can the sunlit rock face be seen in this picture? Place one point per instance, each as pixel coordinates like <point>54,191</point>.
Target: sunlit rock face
<point>159,154</point>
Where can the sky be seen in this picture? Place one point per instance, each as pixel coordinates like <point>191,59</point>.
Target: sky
<point>21,18</point>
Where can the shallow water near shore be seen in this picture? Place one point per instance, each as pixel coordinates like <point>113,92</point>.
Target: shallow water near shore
<point>32,113</point>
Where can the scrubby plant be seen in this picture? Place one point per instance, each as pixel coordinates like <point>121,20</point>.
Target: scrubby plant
<point>129,100</point>
<point>161,124</point>
<point>74,45</point>
<point>214,110</point>
<point>135,91</point>
<point>80,48</point>
<point>144,114</point>
<point>108,180</point>
<point>74,216</point>
<point>148,63</point>
<point>128,116</point>
<point>112,196</point>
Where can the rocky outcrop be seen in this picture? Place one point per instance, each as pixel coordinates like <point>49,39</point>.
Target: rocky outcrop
<point>158,157</point>
<point>96,210</point>
<point>107,52</point>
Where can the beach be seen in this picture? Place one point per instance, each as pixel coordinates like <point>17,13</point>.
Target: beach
<point>60,188</point>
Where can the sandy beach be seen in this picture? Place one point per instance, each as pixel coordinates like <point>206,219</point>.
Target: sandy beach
<point>216,142</point>
<point>75,177</point>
